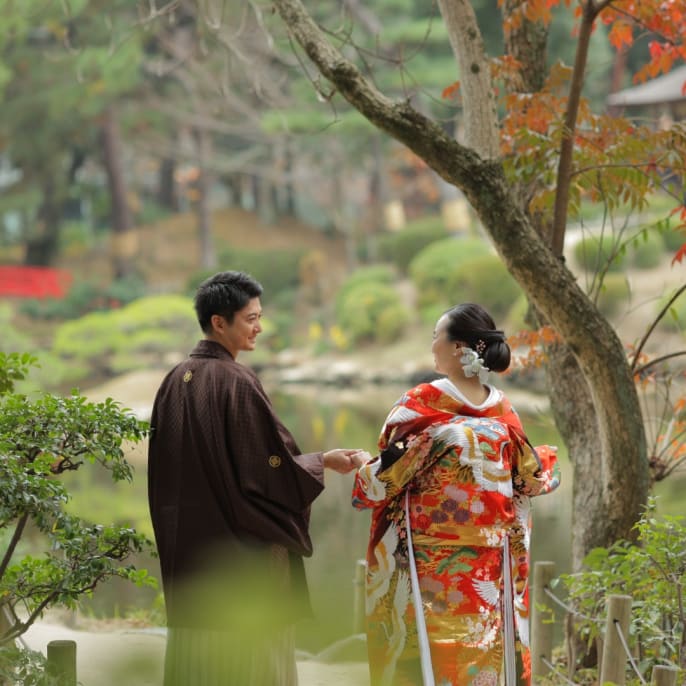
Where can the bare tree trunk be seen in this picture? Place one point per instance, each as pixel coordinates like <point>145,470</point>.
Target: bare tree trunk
<point>124,239</point>
<point>208,256</point>
<point>42,246</point>
<point>378,196</point>
<point>265,200</point>
<point>289,205</point>
<point>167,192</point>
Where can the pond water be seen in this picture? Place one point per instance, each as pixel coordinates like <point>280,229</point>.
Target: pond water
<point>322,418</point>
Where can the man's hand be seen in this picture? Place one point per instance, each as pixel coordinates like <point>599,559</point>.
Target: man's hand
<point>343,460</point>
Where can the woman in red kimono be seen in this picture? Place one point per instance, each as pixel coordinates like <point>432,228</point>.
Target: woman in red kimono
<point>456,471</point>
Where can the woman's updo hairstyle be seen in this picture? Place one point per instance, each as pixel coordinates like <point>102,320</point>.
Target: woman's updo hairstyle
<point>471,324</point>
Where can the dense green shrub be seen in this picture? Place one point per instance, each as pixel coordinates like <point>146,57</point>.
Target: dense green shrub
<point>434,268</point>
<point>593,254</point>
<point>431,313</point>
<point>276,332</point>
<point>375,274</point>
<point>53,558</point>
<point>86,296</point>
<point>133,337</point>
<point>371,311</point>
<point>653,573</point>
<point>485,280</point>
<point>51,372</point>
<point>515,319</point>
<point>401,247</point>
<point>647,250</point>
<point>614,293</point>
<point>673,239</point>
<point>276,270</point>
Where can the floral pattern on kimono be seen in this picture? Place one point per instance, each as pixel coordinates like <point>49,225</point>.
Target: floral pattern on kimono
<point>470,473</point>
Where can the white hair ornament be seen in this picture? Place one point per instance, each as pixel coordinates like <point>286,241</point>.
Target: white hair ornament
<point>473,365</point>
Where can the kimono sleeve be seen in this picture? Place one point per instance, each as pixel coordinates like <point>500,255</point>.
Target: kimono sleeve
<point>265,456</point>
<point>535,471</point>
<point>383,479</point>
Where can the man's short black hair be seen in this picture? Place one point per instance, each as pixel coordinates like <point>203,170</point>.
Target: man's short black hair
<point>224,294</point>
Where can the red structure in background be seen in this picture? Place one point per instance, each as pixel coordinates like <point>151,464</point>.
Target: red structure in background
<point>33,282</point>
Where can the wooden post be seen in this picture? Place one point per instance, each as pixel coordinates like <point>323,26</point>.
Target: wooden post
<point>359,611</point>
<point>541,614</point>
<point>62,661</point>
<point>664,676</point>
<point>613,665</point>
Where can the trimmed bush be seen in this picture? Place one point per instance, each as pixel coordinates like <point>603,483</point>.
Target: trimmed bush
<point>671,238</point>
<point>134,337</point>
<point>515,319</point>
<point>485,280</point>
<point>434,268</point>
<point>371,311</point>
<point>593,254</point>
<point>375,274</point>
<point>403,246</point>
<point>613,294</point>
<point>84,297</point>
<point>647,249</point>
<point>276,270</point>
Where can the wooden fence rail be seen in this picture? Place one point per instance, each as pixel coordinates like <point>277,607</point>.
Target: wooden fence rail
<point>615,655</point>
<point>61,655</point>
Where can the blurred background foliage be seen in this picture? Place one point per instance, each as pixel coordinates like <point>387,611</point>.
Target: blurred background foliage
<point>140,156</point>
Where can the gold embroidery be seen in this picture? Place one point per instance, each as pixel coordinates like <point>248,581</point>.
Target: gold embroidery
<point>275,461</point>
<point>187,376</point>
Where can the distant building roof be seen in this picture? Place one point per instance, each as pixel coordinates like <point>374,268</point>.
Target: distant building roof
<point>662,90</point>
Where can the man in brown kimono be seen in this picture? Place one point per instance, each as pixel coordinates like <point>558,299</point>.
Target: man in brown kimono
<point>230,495</point>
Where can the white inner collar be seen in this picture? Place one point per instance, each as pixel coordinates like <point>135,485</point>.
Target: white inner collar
<point>447,386</point>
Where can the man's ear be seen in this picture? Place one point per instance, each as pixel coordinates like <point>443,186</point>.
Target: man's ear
<point>218,323</point>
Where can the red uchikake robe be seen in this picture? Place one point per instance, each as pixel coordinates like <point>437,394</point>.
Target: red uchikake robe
<point>470,473</point>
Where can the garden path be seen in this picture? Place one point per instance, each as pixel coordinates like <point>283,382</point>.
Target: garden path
<point>134,657</point>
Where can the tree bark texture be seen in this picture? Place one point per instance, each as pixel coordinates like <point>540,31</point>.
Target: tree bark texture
<point>617,453</point>
<point>478,96</point>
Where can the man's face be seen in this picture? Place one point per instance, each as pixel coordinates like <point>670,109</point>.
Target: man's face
<point>242,332</point>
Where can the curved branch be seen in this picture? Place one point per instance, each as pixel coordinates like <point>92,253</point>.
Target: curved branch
<point>651,328</point>
<point>642,369</point>
<point>16,536</point>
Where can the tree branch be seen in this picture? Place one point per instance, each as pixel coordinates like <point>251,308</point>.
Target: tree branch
<point>651,328</point>
<point>564,167</point>
<point>642,369</point>
<point>16,536</point>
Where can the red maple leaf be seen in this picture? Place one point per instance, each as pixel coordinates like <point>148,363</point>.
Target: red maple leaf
<point>680,254</point>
